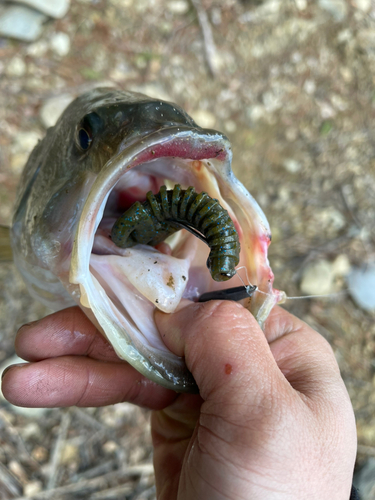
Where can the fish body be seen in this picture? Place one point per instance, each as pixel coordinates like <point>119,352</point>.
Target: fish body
<point>107,150</point>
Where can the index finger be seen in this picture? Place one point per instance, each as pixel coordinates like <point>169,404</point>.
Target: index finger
<point>64,333</point>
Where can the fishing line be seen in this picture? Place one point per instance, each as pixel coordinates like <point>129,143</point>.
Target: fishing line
<point>328,295</point>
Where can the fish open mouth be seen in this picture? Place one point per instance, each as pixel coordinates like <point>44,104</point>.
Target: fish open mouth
<point>120,288</point>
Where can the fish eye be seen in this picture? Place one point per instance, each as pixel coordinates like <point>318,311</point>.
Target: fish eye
<point>91,125</point>
<point>84,139</point>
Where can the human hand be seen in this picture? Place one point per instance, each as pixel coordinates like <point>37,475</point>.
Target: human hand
<point>273,419</point>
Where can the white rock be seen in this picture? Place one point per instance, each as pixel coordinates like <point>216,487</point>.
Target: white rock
<point>37,49</point>
<point>341,266</point>
<point>16,67</point>
<point>363,5</point>
<point>32,488</point>
<point>230,126</point>
<point>24,142</point>
<point>337,8</point>
<point>52,8</point>
<point>60,43</point>
<point>317,278</point>
<point>361,283</point>
<point>151,89</point>
<point>21,23</point>
<point>309,86</point>
<point>178,6</point>
<point>203,118</point>
<point>301,4</point>
<point>255,113</point>
<point>52,109</point>
<point>330,219</point>
<point>292,165</point>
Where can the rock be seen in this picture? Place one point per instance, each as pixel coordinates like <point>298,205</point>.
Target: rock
<point>32,488</point>
<point>363,5</point>
<point>69,454</point>
<point>317,278</point>
<point>178,7</point>
<point>152,89</point>
<point>21,23</point>
<point>309,86</point>
<point>60,43</point>
<point>364,480</point>
<point>255,113</point>
<point>301,4</point>
<point>37,49</point>
<point>341,266</point>
<point>291,165</point>
<point>52,8</point>
<point>203,118</point>
<point>337,8</point>
<point>16,67</point>
<point>361,283</point>
<point>52,109</point>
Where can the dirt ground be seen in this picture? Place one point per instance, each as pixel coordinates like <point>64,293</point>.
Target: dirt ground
<point>293,87</point>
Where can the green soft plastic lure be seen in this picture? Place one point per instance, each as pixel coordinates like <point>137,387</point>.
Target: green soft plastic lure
<point>161,215</point>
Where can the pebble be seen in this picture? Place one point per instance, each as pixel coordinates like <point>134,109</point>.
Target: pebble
<point>178,7</point>
<point>37,49</point>
<point>363,5</point>
<point>337,8</point>
<point>341,266</point>
<point>52,109</point>
<point>291,165</point>
<point>52,8</point>
<point>22,23</point>
<point>361,283</point>
<point>60,43</point>
<point>32,488</point>
<point>318,278</point>
<point>69,454</point>
<point>16,67</point>
<point>203,118</point>
<point>152,90</point>
<point>255,113</point>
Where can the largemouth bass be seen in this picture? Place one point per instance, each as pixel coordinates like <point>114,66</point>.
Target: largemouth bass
<point>107,150</point>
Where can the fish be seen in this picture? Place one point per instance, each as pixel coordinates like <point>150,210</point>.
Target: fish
<point>109,148</point>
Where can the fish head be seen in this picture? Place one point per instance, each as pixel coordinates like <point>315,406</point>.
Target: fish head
<point>108,149</point>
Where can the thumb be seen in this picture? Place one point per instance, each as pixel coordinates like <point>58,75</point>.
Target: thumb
<point>224,348</point>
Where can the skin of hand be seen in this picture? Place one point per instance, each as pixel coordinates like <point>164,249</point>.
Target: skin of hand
<point>273,419</point>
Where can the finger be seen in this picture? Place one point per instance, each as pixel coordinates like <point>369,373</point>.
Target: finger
<point>304,357</point>
<point>67,332</point>
<point>81,381</point>
<point>224,348</point>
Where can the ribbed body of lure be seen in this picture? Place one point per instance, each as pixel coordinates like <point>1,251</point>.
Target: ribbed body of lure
<point>161,215</point>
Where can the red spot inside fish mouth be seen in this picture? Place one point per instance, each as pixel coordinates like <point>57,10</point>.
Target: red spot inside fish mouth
<point>228,369</point>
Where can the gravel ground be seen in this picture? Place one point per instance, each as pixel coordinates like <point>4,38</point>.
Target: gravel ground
<point>292,85</point>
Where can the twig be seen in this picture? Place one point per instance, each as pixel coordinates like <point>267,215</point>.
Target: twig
<point>9,483</point>
<point>208,39</point>
<point>91,485</point>
<point>57,451</point>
